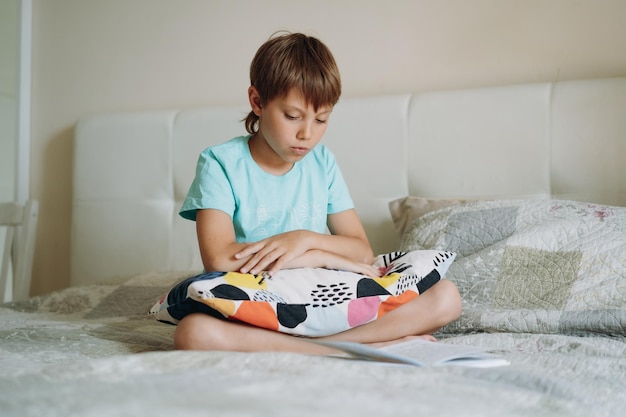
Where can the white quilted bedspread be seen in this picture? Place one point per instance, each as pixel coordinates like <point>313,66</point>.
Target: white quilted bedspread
<point>546,266</point>
<point>94,351</point>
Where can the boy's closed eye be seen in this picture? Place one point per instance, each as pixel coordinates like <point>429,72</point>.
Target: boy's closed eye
<point>291,117</point>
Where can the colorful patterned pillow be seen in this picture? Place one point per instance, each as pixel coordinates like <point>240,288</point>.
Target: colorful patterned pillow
<point>306,301</point>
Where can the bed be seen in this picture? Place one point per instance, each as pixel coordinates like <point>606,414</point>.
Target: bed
<point>525,183</point>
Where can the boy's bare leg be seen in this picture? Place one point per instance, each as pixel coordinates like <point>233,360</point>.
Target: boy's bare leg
<point>422,316</point>
<point>202,332</point>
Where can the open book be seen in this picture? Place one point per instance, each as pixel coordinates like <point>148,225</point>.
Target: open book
<point>420,352</point>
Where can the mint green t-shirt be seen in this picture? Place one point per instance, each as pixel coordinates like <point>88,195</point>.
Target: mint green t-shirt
<point>261,204</point>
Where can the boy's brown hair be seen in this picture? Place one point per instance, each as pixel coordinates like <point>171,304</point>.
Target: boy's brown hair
<point>294,60</point>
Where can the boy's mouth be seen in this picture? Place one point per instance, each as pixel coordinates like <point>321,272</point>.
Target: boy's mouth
<point>299,150</point>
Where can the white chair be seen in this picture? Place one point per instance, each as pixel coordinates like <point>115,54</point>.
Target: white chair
<point>20,222</point>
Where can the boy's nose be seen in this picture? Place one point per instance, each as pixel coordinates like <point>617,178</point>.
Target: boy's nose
<point>304,132</point>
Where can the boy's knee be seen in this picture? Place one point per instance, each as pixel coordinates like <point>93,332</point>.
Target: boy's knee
<point>192,333</point>
<point>449,300</point>
<point>184,335</point>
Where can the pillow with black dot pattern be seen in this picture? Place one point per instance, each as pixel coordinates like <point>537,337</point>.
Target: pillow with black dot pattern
<point>306,301</point>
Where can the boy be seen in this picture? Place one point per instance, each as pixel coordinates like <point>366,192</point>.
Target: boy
<point>262,202</point>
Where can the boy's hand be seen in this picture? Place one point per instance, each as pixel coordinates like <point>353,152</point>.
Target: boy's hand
<point>289,250</point>
<point>276,251</point>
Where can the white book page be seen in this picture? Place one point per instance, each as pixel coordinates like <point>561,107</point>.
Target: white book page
<point>433,353</point>
<point>423,353</point>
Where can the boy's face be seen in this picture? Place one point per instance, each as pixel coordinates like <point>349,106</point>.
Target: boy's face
<point>291,127</point>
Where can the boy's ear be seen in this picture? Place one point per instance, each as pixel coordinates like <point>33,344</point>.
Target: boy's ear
<point>255,100</point>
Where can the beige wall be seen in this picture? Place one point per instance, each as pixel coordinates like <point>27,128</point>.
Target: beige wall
<point>111,55</point>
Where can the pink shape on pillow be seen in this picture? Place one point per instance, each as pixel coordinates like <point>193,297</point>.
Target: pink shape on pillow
<point>362,310</point>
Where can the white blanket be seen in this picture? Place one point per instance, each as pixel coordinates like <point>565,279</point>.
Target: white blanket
<point>95,351</point>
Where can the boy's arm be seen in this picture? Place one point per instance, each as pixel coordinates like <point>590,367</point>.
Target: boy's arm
<point>216,239</point>
<point>316,258</point>
<point>349,249</point>
<point>347,225</point>
<point>347,244</point>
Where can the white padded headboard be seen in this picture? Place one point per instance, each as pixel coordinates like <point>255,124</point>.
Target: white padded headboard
<point>562,140</point>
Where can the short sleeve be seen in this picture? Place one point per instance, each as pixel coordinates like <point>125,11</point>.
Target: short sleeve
<point>210,189</point>
<point>339,198</point>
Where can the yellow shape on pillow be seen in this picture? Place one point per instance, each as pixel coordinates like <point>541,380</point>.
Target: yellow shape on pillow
<point>387,280</point>
<point>226,307</point>
<point>256,282</point>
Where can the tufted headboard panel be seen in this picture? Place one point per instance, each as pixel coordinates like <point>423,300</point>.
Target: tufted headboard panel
<point>562,140</point>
